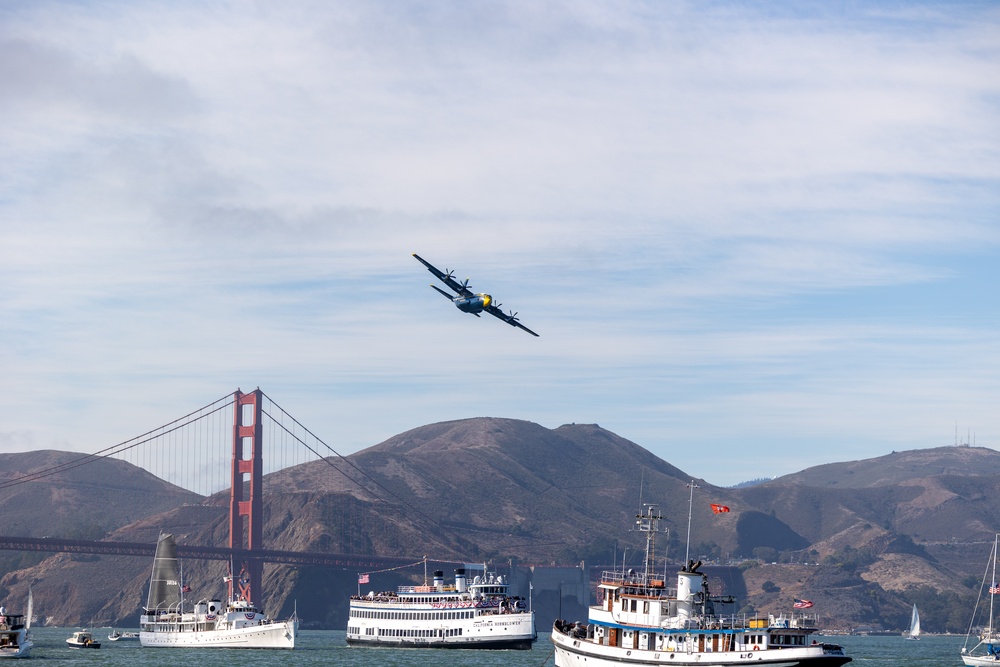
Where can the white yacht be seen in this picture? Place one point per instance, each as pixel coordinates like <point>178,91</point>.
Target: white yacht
<point>640,621</point>
<point>476,614</point>
<point>237,624</point>
<point>15,638</point>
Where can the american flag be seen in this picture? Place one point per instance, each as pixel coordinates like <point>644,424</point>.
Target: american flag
<point>362,578</point>
<point>994,589</point>
<point>802,604</point>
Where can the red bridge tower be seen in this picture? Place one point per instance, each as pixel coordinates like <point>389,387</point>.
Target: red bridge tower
<point>246,516</point>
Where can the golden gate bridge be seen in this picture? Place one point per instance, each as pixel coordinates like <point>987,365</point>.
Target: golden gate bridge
<point>232,442</point>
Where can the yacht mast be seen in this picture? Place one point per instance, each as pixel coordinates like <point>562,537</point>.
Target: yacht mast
<point>687,551</point>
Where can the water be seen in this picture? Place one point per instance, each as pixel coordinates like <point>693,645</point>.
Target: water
<point>326,648</point>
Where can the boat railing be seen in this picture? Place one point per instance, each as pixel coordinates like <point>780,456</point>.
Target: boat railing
<point>798,621</point>
<point>427,589</point>
<point>634,580</point>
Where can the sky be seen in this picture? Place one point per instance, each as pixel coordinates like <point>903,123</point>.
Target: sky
<point>753,237</point>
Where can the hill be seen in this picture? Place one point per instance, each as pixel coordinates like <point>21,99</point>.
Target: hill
<point>861,539</point>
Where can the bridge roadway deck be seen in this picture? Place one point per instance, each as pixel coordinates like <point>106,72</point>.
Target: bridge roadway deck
<point>317,559</point>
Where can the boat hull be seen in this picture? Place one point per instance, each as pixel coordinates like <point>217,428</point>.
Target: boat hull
<point>20,650</point>
<point>507,644</point>
<point>577,652</point>
<point>15,644</point>
<point>273,635</point>
<point>981,660</point>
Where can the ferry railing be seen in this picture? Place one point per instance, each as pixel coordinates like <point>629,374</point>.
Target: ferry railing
<point>427,589</point>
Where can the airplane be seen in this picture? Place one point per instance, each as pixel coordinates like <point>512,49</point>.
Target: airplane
<point>466,300</point>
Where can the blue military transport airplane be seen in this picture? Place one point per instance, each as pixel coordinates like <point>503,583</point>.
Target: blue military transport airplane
<point>466,300</point>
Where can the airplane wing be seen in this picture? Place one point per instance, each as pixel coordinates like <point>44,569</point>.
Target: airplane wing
<point>510,319</point>
<point>446,278</point>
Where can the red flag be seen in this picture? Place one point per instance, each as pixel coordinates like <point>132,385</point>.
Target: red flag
<point>719,509</point>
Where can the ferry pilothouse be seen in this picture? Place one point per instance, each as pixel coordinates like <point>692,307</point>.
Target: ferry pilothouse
<point>476,614</point>
<point>639,620</point>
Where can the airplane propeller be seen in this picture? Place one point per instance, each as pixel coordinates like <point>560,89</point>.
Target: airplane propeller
<point>448,274</point>
<point>512,317</point>
<point>465,284</point>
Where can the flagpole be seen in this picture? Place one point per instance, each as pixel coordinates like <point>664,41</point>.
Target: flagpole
<point>687,552</point>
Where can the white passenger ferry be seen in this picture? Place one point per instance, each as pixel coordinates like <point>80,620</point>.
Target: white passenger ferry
<point>639,621</point>
<point>476,614</point>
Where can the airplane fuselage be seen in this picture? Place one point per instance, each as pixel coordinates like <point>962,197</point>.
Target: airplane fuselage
<point>474,304</point>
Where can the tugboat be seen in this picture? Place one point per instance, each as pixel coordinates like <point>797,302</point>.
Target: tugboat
<point>639,621</point>
<point>480,614</point>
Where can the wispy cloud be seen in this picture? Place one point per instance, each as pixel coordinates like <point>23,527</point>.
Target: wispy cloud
<point>764,232</point>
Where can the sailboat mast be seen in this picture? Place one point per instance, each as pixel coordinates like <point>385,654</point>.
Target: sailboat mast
<point>993,584</point>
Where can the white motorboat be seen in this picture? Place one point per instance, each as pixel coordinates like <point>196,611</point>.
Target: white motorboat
<point>83,639</point>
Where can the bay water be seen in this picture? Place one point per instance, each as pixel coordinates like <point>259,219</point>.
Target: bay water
<point>327,648</point>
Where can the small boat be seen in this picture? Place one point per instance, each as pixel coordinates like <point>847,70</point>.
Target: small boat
<point>987,650</point>
<point>15,638</point>
<point>914,631</point>
<point>116,636</point>
<point>82,639</point>
<point>641,621</point>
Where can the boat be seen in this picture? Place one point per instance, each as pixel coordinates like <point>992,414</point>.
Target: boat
<point>82,639</point>
<point>117,636</point>
<point>480,614</point>
<point>987,649</point>
<point>15,635</point>
<point>236,624</point>
<point>914,631</point>
<point>641,621</point>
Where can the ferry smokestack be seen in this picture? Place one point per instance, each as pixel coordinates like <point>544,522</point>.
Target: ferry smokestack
<point>438,578</point>
<point>460,584</point>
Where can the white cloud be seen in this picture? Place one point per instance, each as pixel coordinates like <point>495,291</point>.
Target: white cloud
<point>730,225</point>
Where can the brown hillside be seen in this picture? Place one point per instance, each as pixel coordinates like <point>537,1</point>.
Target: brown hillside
<point>490,489</point>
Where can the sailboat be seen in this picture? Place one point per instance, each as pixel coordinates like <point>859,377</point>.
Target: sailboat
<point>237,624</point>
<point>987,650</point>
<point>914,631</point>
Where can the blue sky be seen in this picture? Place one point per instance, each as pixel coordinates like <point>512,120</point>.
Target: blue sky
<point>752,240</point>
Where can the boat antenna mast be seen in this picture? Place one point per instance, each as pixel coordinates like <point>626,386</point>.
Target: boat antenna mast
<point>648,522</point>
